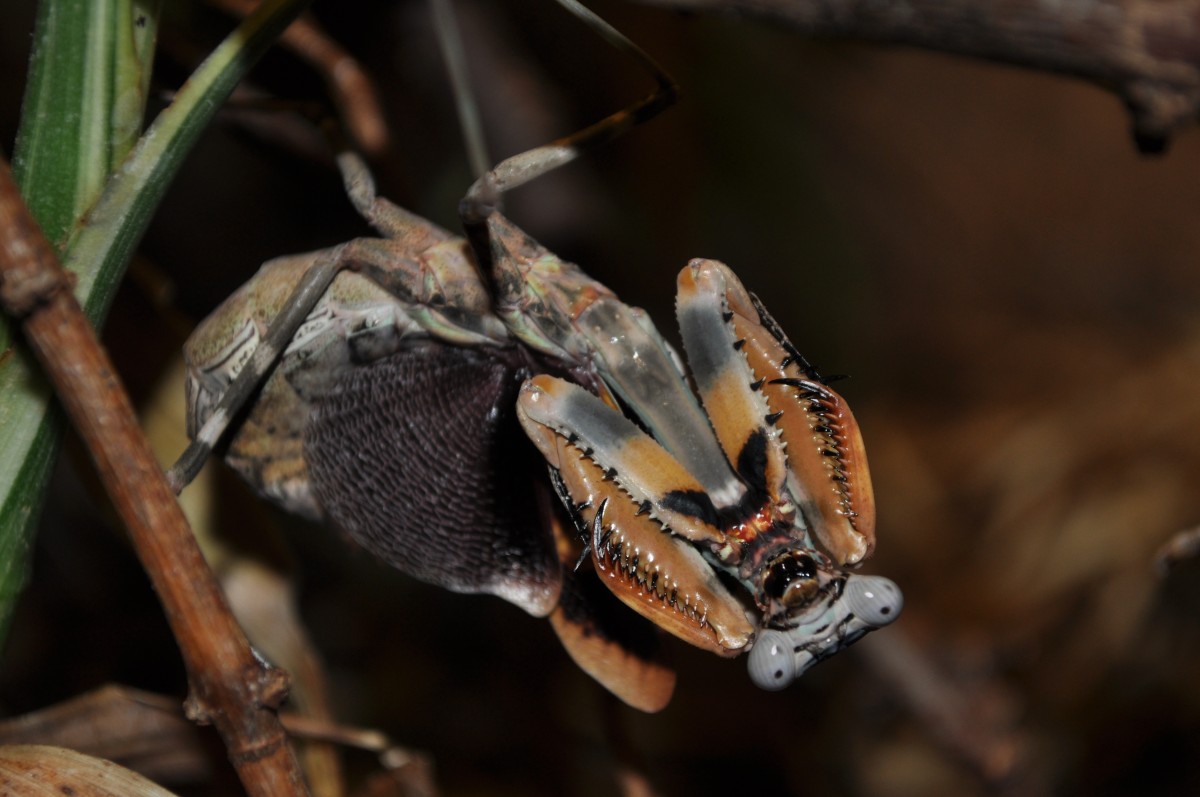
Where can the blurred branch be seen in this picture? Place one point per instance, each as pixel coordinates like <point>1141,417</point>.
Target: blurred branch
<point>1182,546</point>
<point>1146,51</point>
<point>346,78</point>
<point>148,733</point>
<point>971,721</point>
<point>230,687</point>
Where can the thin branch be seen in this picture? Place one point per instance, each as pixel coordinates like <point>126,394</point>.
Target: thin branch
<point>1146,51</point>
<point>230,686</point>
<point>147,733</point>
<point>347,79</point>
<point>962,717</point>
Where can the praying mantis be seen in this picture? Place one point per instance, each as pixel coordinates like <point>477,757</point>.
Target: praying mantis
<point>485,417</point>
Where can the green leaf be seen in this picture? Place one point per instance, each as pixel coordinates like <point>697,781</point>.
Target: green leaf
<point>84,102</point>
<point>83,108</point>
<point>99,251</point>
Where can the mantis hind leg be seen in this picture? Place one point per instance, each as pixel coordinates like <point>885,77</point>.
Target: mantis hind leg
<point>252,374</point>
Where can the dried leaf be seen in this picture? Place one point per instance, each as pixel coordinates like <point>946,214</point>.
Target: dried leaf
<point>44,771</point>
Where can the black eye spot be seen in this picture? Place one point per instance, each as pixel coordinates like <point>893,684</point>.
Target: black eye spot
<point>787,570</point>
<point>774,584</point>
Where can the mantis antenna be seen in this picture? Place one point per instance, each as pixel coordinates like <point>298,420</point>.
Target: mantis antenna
<point>484,195</point>
<point>454,54</point>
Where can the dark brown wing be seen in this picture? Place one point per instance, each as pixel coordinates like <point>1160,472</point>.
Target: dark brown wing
<point>419,457</point>
<point>618,648</point>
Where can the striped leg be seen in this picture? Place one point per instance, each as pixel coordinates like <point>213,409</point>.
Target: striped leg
<point>252,366</point>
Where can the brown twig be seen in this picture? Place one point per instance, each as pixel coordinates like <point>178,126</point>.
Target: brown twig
<point>347,80</point>
<point>1146,51</point>
<point>230,687</point>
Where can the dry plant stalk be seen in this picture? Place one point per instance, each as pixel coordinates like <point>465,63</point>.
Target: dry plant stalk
<point>148,734</point>
<point>230,687</point>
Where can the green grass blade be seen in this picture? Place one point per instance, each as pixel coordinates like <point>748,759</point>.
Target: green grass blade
<point>99,251</point>
<point>55,177</point>
<point>83,109</point>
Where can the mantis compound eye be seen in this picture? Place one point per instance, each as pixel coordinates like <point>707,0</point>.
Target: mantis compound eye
<point>772,663</point>
<point>819,631</point>
<point>874,600</point>
<point>791,579</point>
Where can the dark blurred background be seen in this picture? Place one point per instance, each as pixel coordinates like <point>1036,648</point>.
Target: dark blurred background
<point>1013,289</point>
